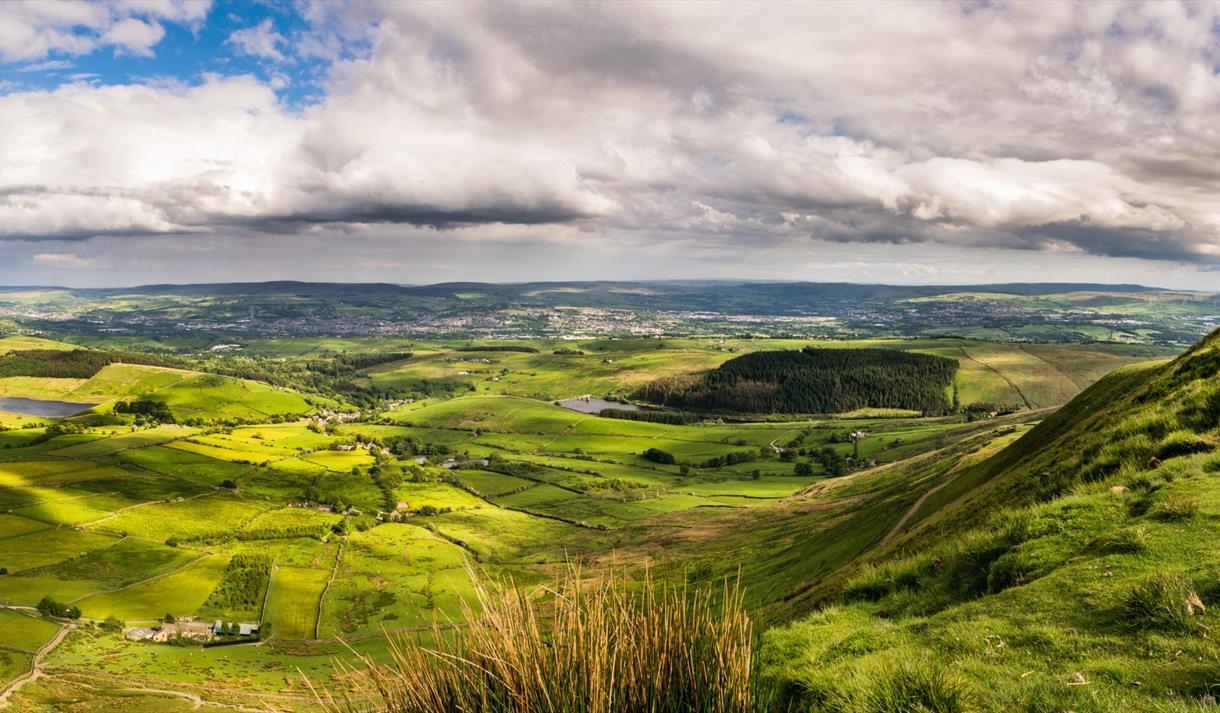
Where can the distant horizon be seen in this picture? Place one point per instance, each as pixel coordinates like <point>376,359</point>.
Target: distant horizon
<point>1129,286</point>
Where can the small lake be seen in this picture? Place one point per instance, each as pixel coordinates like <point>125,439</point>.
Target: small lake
<point>590,404</point>
<point>40,407</point>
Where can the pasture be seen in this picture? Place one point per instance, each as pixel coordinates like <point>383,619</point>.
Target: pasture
<point>180,592</point>
<point>24,632</point>
<point>46,547</point>
<point>294,600</point>
<point>185,519</point>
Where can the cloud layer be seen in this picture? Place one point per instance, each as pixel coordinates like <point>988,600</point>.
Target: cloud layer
<point>1056,127</point>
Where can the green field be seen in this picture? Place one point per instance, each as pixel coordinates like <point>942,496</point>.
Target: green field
<point>180,592</point>
<point>294,599</point>
<point>24,633</point>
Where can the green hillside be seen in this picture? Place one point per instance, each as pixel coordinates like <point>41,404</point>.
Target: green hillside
<point>190,395</point>
<point>1073,570</point>
<point>19,343</point>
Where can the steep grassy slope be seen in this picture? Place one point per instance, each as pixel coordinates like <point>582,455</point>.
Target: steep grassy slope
<point>1074,570</point>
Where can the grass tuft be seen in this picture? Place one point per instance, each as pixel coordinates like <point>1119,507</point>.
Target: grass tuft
<point>1128,540</point>
<point>1182,443</point>
<point>1164,602</point>
<point>906,687</point>
<point>589,647</point>
<point>1174,509</point>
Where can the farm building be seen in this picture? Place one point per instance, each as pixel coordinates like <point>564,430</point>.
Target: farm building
<point>140,633</point>
<point>242,629</point>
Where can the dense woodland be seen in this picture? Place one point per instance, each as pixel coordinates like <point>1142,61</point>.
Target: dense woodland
<point>813,381</point>
<point>74,364</point>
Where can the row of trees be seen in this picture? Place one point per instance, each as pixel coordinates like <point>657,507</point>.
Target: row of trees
<point>672,418</point>
<point>814,381</point>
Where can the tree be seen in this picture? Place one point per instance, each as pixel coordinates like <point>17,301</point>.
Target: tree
<point>656,455</point>
<point>48,606</point>
<point>803,470</point>
<point>169,619</point>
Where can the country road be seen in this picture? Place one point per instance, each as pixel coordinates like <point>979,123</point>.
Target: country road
<point>35,671</point>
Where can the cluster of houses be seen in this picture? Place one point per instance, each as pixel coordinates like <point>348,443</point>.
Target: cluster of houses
<point>327,415</point>
<point>189,628</point>
<point>324,507</point>
<point>363,447</point>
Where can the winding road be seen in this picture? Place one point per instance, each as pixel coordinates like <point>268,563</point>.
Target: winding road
<point>35,671</point>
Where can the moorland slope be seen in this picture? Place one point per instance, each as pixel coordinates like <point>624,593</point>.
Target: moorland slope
<point>1073,570</point>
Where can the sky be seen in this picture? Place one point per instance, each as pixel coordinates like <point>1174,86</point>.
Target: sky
<point>957,142</point>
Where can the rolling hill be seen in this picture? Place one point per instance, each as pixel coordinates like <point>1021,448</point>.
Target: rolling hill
<point>39,369</point>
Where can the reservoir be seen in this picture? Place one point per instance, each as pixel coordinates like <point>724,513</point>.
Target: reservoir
<point>591,404</point>
<point>39,407</point>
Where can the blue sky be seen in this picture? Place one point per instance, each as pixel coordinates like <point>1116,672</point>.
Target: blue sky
<point>190,50</point>
<point>181,140</point>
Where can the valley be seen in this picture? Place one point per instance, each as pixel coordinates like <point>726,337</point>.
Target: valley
<point>352,489</point>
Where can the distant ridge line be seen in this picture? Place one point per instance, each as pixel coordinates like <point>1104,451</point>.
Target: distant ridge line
<point>1023,288</point>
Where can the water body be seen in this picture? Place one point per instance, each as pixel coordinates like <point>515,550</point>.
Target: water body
<point>590,404</point>
<point>40,407</point>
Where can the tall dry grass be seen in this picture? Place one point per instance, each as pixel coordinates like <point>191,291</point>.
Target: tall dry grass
<point>584,647</point>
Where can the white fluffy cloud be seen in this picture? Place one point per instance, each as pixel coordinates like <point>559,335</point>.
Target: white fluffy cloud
<point>261,40</point>
<point>1079,127</point>
<point>31,29</point>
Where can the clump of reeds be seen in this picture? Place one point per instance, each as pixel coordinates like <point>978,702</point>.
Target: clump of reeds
<point>600,646</point>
